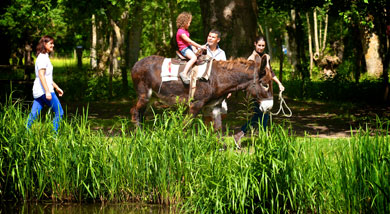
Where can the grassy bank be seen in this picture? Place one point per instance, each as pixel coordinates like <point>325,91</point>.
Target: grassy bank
<point>173,162</point>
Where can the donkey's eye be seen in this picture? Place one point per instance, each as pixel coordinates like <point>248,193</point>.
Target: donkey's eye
<point>265,85</point>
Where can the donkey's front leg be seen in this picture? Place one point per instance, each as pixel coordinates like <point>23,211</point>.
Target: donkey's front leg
<point>217,120</point>
<point>195,107</point>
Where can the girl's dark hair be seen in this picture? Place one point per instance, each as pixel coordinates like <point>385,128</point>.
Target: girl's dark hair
<point>41,44</point>
<point>259,38</point>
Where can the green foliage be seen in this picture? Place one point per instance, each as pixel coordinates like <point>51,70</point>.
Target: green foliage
<point>159,30</point>
<point>365,176</point>
<point>26,21</point>
<point>335,90</point>
<point>177,160</point>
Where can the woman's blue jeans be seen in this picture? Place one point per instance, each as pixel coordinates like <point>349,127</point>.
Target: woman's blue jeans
<point>258,117</point>
<point>37,106</point>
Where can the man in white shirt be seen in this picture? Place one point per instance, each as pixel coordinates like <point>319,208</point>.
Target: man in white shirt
<point>217,53</point>
<point>213,49</point>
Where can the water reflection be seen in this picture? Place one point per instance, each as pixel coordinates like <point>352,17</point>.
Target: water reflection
<point>72,208</point>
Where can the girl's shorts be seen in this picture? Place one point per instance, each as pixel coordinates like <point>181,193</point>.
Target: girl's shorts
<point>185,50</point>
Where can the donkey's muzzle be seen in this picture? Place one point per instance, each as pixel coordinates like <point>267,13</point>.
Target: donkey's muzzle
<point>266,105</point>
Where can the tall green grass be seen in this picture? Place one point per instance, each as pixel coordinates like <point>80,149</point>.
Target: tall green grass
<point>177,160</point>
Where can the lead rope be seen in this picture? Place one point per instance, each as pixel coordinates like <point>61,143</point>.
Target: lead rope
<point>282,101</point>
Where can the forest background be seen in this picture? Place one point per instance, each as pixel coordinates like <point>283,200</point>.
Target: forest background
<point>340,42</point>
<point>332,57</point>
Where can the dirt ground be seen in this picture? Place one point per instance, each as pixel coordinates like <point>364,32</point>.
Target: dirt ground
<point>313,118</point>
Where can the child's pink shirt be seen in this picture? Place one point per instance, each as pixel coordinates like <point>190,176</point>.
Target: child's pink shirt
<point>180,42</point>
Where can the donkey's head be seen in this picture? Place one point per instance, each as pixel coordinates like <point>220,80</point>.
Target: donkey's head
<point>261,88</point>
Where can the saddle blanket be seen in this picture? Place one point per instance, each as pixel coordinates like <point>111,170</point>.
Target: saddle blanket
<point>170,71</point>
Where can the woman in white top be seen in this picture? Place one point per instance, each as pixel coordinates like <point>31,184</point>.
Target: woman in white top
<point>43,89</point>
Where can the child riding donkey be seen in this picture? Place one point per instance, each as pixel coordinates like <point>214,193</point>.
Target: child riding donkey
<point>185,44</point>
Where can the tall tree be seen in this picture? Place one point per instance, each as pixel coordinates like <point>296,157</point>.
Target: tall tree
<point>296,10</point>
<point>134,35</point>
<point>236,19</point>
<point>274,23</point>
<point>373,18</point>
<point>93,43</point>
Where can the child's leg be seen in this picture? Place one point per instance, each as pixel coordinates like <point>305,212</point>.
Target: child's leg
<point>190,55</point>
<point>35,111</point>
<point>55,104</point>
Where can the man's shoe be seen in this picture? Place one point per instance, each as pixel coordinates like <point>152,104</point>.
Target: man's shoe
<point>237,138</point>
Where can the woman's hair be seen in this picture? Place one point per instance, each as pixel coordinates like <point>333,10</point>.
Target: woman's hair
<point>259,38</point>
<point>183,19</point>
<point>41,44</point>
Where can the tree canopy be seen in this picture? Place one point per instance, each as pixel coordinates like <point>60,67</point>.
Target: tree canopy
<point>122,31</point>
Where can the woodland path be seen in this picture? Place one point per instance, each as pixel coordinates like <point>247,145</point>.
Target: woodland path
<point>320,119</point>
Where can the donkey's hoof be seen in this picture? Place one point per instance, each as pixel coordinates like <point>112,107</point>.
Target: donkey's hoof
<point>237,139</point>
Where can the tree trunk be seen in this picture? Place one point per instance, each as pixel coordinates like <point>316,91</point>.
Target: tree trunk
<point>325,33</point>
<point>93,44</point>
<point>123,51</point>
<point>386,64</point>
<point>27,51</point>
<point>292,43</point>
<point>117,50</point>
<point>173,29</point>
<point>268,38</point>
<point>373,59</point>
<point>310,42</point>
<point>281,57</point>
<point>302,61</point>
<point>317,52</point>
<point>386,75</point>
<point>111,72</point>
<point>103,50</point>
<point>135,35</point>
<point>79,56</point>
<point>236,19</point>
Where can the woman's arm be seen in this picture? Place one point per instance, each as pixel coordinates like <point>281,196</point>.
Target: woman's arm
<point>58,89</point>
<point>41,74</point>
<point>188,40</point>
<point>281,87</point>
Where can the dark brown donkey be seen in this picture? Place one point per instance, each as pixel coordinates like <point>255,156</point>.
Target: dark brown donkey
<point>226,77</point>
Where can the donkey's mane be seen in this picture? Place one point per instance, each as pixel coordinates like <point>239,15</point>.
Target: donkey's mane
<point>229,64</point>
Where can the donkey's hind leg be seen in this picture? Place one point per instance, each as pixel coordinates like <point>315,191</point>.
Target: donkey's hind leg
<point>139,108</point>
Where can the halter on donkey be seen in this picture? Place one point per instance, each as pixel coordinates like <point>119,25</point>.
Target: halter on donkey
<point>226,77</point>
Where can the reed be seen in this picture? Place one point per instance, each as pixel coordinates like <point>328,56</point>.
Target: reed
<point>365,172</point>
<point>177,160</point>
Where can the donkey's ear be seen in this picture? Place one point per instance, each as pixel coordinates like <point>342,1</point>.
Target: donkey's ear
<point>262,65</point>
<point>257,60</point>
<point>263,62</point>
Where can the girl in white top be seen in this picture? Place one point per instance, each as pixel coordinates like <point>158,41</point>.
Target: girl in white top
<point>43,89</point>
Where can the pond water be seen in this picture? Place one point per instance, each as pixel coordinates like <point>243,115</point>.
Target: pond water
<point>73,208</point>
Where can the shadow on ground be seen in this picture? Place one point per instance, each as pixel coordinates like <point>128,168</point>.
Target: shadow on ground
<point>312,118</point>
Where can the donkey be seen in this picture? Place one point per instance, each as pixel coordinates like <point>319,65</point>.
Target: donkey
<point>226,77</point>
